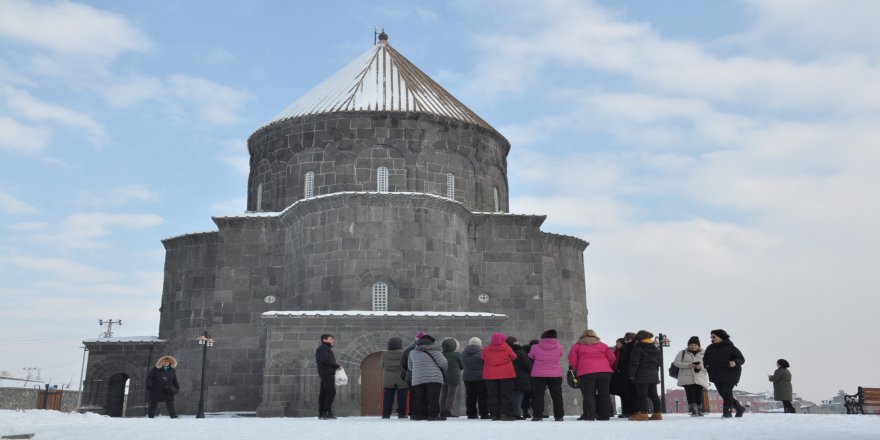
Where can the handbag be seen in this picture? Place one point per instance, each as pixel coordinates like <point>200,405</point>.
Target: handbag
<point>340,378</point>
<point>172,388</point>
<point>442,371</point>
<point>673,370</point>
<point>572,380</point>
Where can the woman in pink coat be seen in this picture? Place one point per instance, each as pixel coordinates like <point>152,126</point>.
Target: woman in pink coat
<point>547,373</point>
<point>592,361</point>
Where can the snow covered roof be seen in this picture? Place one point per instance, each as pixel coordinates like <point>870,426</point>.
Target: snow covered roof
<point>372,313</point>
<point>380,79</point>
<point>123,339</point>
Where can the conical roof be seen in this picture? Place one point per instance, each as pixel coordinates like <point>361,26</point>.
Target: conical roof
<point>381,79</point>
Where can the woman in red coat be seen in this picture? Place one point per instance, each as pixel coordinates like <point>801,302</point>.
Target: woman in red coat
<point>499,374</point>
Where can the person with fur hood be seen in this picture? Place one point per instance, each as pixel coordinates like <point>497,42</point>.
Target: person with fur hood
<point>724,362</point>
<point>592,361</point>
<point>476,394</point>
<point>392,382</point>
<point>644,371</point>
<point>547,373</point>
<point>692,375</point>
<point>427,365</point>
<point>499,374</point>
<point>453,376</point>
<point>162,385</point>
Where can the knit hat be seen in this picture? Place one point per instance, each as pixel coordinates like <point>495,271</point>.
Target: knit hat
<point>395,344</point>
<point>549,334</point>
<point>498,338</point>
<point>427,337</point>
<point>475,341</point>
<point>694,340</point>
<point>643,334</point>
<point>721,334</point>
<point>419,335</point>
<point>629,335</point>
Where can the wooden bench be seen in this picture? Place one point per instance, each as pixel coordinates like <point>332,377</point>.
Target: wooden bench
<point>866,401</point>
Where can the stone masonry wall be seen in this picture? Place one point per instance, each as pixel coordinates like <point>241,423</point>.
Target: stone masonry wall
<point>339,247</point>
<point>344,150</point>
<point>291,381</point>
<point>26,398</point>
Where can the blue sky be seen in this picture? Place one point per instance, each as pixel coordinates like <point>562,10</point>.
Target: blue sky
<point>719,156</point>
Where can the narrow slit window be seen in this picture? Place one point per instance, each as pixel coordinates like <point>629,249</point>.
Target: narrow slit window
<point>495,198</point>
<point>260,197</point>
<point>382,180</point>
<point>309,191</point>
<point>450,186</point>
<point>380,297</point>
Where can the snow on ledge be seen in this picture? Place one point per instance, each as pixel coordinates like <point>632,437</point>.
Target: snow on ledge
<point>123,339</point>
<point>372,313</point>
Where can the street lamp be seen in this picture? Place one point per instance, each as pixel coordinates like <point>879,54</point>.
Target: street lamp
<point>661,341</point>
<point>205,341</point>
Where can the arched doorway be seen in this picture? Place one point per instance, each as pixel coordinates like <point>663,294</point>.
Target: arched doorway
<point>116,392</point>
<point>371,385</point>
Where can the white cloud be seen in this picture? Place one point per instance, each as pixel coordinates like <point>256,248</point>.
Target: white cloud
<point>35,109</point>
<point>70,29</point>
<point>211,102</point>
<point>20,138</point>
<point>218,55</point>
<point>229,207</point>
<point>89,230</point>
<point>12,205</point>
<point>29,226</point>
<point>810,27</point>
<point>132,89</point>
<point>119,196</point>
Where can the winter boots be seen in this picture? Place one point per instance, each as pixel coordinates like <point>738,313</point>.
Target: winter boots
<point>657,416</point>
<point>727,412</point>
<point>739,409</point>
<point>639,417</point>
<point>326,415</point>
<point>695,410</point>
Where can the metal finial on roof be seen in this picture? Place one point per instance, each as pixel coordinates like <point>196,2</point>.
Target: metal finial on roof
<point>383,37</point>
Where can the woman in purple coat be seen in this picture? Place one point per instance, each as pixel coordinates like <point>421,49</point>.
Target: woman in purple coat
<point>547,373</point>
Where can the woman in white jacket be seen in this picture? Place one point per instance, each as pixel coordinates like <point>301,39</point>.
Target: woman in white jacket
<point>692,375</point>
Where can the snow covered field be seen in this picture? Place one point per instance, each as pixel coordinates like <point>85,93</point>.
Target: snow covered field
<point>56,425</point>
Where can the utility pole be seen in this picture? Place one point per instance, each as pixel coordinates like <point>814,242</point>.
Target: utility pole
<point>110,323</point>
<point>28,378</point>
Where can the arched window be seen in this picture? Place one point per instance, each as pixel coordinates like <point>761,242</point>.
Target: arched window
<point>450,186</point>
<point>380,297</point>
<point>309,186</point>
<point>382,180</point>
<point>260,197</point>
<point>495,198</point>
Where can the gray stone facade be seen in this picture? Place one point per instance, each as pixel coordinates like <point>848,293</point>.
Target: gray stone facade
<point>299,254</point>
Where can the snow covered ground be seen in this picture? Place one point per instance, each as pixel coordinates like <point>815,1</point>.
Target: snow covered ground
<point>56,425</point>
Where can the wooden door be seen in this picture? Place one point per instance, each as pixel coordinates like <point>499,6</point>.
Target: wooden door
<point>371,385</point>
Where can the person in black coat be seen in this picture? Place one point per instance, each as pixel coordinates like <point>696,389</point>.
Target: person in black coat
<point>724,362</point>
<point>327,366</point>
<point>162,385</point>
<point>620,383</point>
<point>644,372</point>
<point>523,382</point>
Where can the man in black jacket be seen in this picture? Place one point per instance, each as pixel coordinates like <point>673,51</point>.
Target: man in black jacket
<point>327,367</point>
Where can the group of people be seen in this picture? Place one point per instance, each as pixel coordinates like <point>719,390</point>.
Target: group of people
<point>504,380</point>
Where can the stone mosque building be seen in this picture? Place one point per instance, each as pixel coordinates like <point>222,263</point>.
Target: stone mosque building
<point>377,207</point>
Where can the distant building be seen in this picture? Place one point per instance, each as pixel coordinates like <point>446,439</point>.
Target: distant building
<point>377,207</point>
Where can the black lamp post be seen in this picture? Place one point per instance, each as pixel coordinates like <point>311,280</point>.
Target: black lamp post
<point>205,341</point>
<point>661,341</point>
